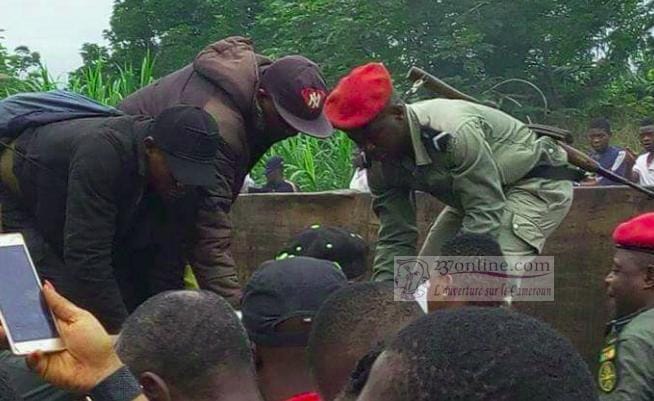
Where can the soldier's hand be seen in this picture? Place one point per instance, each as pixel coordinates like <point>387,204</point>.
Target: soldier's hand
<point>89,356</point>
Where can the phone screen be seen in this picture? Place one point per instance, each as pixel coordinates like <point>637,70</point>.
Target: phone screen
<point>21,301</point>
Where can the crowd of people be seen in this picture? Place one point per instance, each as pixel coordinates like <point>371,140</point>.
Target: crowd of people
<point>310,330</point>
<point>115,204</point>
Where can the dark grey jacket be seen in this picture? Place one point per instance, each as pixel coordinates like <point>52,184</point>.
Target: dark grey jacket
<point>83,195</point>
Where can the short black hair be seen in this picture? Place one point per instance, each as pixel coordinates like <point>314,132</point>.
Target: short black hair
<point>185,337</point>
<point>355,318</point>
<point>473,245</point>
<point>646,121</point>
<point>7,391</point>
<point>486,354</point>
<point>600,123</point>
<point>470,244</point>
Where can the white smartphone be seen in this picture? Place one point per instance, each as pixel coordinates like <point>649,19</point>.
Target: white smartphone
<point>26,318</point>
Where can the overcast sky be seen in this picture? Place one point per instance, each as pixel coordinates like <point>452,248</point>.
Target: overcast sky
<point>55,28</point>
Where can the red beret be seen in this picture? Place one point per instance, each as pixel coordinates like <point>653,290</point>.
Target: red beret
<point>359,96</point>
<point>637,233</point>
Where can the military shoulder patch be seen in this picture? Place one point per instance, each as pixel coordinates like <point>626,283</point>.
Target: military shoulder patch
<point>607,377</point>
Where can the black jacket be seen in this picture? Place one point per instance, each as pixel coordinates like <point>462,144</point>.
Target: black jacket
<point>84,194</point>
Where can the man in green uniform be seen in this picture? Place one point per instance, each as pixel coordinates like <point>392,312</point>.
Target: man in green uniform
<point>626,369</point>
<point>490,170</point>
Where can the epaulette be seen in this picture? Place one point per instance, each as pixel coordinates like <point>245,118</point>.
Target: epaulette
<point>438,140</point>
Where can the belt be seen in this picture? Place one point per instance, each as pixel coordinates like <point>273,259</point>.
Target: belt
<point>7,176</point>
<point>558,173</point>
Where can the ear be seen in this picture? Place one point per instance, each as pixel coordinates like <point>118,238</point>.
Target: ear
<point>154,387</point>
<point>649,277</point>
<point>397,112</point>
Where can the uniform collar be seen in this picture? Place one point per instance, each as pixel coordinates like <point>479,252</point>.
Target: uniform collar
<point>624,320</point>
<point>422,157</point>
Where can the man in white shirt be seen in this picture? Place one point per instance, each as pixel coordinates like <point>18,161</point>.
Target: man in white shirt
<point>643,168</point>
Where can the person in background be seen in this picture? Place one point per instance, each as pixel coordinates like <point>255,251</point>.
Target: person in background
<point>626,369</point>
<point>643,171</point>
<point>360,178</point>
<point>275,181</point>
<point>188,345</point>
<point>345,248</point>
<point>279,303</point>
<point>480,354</point>
<point>612,158</point>
<point>352,321</point>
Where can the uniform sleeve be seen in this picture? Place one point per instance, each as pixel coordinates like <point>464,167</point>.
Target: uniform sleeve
<point>209,256</point>
<point>90,225</point>
<point>476,180</point>
<point>635,376</point>
<point>394,205</point>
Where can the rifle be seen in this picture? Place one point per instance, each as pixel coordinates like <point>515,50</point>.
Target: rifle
<point>577,158</point>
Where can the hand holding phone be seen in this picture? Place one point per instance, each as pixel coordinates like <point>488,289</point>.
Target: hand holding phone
<point>89,356</point>
<point>28,323</point>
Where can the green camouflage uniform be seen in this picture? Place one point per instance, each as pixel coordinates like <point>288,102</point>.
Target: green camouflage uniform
<point>626,371</point>
<point>478,171</point>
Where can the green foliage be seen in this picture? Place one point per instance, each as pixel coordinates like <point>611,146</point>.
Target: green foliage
<point>313,164</point>
<point>94,82</point>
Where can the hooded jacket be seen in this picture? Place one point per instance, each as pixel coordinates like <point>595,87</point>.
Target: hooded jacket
<point>223,80</point>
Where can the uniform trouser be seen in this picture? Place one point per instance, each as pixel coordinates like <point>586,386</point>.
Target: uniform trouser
<point>534,208</point>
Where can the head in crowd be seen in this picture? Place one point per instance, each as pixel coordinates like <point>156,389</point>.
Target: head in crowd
<point>647,134</point>
<point>275,170</point>
<point>180,151</point>
<point>347,249</point>
<point>464,247</point>
<point>290,99</point>
<point>188,345</point>
<point>349,323</point>
<point>7,392</point>
<point>599,134</point>
<point>481,354</point>
<point>630,283</point>
<point>362,105</point>
<point>279,304</point>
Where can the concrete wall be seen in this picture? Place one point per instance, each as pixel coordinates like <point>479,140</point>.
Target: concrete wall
<point>581,246</point>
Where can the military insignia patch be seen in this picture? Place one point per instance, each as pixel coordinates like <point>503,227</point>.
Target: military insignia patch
<point>607,377</point>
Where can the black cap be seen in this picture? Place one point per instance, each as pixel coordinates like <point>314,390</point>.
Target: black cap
<point>188,137</point>
<point>299,93</point>
<point>274,163</point>
<point>336,244</point>
<point>283,289</point>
